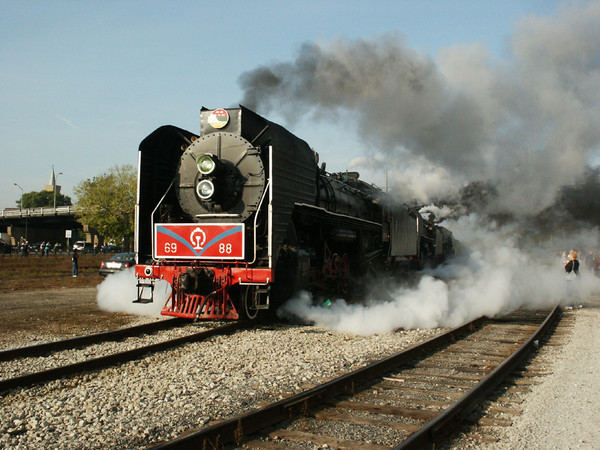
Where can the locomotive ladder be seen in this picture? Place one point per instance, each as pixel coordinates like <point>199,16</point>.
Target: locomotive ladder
<point>145,285</point>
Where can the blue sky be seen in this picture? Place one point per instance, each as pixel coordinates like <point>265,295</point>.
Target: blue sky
<point>82,83</point>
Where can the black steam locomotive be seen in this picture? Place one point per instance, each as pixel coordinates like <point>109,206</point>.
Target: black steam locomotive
<point>241,217</point>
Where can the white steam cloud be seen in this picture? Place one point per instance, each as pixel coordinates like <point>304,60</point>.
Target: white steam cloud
<point>117,292</point>
<point>494,277</point>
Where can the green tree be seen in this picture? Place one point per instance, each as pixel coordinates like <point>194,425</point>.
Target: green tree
<point>107,203</point>
<point>44,199</point>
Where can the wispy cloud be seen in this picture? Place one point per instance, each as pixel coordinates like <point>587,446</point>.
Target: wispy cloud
<point>68,122</point>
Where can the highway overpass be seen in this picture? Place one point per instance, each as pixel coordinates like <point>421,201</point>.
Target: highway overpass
<point>44,224</point>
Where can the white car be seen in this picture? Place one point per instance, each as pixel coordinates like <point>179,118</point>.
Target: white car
<point>82,246</point>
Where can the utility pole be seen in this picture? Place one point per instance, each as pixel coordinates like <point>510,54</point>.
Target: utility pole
<point>21,210</point>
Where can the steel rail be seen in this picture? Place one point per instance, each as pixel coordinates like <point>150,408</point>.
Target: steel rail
<point>237,428</point>
<point>115,358</point>
<point>78,341</point>
<point>447,421</point>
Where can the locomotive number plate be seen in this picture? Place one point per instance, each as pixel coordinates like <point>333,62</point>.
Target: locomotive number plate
<point>199,241</point>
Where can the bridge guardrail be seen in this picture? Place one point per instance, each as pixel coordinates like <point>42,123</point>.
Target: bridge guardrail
<point>39,212</point>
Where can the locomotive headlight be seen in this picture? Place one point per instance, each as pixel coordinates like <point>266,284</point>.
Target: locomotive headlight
<point>205,189</point>
<point>206,163</point>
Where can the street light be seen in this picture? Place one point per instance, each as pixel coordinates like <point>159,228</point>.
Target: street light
<point>21,210</point>
<point>21,202</point>
<point>55,176</point>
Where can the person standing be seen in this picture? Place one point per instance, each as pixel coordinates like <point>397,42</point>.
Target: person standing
<point>571,274</point>
<point>75,263</point>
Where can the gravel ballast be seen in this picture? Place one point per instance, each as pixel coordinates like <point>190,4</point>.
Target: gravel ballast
<point>165,394</point>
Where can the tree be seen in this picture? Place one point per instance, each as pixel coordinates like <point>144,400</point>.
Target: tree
<point>107,203</point>
<point>44,199</point>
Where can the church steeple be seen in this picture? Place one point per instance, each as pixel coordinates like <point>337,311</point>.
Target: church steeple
<point>52,185</point>
<point>52,178</point>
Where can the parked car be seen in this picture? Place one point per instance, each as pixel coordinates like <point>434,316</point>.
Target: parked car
<point>83,247</point>
<point>117,263</point>
<point>109,248</point>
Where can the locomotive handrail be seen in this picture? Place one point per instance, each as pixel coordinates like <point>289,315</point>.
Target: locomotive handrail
<point>152,216</point>
<point>331,213</point>
<point>218,215</point>
<point>267,189</point>
<point>269,211</point>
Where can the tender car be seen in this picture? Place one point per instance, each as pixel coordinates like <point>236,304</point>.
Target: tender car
<point>116,263</point>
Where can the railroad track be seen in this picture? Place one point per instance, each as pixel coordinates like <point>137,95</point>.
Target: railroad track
<point>94,363</point>
<point>412,399</point>
<point>88,339</point>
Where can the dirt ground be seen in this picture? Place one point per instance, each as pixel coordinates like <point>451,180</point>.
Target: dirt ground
<point>40,299</point>
<point>55,271</point>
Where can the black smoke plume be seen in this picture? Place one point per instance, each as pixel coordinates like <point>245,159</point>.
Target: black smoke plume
<point>525,125</point>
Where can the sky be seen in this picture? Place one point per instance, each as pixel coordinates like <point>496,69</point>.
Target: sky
<point>82,83</point>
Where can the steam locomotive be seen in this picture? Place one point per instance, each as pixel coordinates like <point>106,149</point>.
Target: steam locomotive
<point>239,218</point>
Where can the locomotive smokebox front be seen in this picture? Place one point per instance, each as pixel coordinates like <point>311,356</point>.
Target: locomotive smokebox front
<point>220,174</point>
